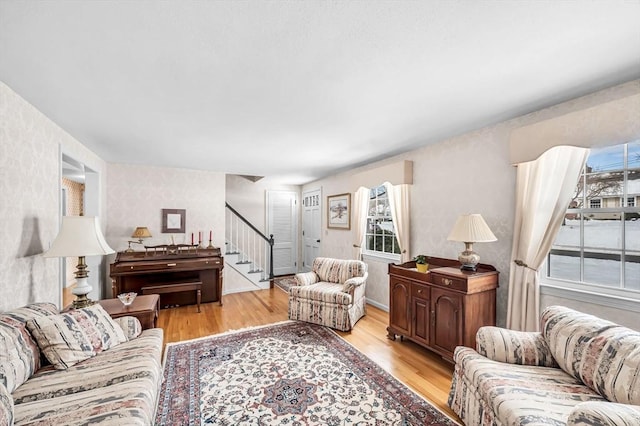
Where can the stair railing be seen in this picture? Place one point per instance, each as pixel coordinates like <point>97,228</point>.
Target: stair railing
<point>251,245</point>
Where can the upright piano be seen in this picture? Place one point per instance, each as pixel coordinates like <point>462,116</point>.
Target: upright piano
<point>132,271</point>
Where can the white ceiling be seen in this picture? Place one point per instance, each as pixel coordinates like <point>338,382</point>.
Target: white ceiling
<point>302,89</point>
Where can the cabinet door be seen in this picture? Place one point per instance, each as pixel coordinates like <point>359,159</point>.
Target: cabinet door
<point>399,306</point>
<point>447,331</point>
<point>421,317</point>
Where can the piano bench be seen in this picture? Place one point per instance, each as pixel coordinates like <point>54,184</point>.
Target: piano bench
<point>176,288</point>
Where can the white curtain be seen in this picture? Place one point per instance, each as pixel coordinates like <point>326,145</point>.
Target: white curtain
<point>544,188</point>
<point>360,208</point>
<point>400,212</point>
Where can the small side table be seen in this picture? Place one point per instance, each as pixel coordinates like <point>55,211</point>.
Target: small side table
<point>144,307</point>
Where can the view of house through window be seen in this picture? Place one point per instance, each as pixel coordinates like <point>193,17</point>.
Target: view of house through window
<point>380,236</point>
<point>599,240</point>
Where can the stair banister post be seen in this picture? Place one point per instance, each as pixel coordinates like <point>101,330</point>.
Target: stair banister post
<point>271,257</point>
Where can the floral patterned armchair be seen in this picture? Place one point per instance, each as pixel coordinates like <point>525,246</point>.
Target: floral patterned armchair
<point>332,294</point>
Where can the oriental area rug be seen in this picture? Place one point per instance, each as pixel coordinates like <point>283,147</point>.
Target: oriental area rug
<point>289,373</point>
<point>284,283</point>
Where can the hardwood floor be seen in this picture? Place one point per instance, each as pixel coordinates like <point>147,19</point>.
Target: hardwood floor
<point>427,374</point>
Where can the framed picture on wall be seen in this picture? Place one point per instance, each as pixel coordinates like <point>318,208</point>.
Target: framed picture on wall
<point>339,211</point>
<point>173,221</point>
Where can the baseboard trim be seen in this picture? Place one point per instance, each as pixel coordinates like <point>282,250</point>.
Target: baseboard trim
<point>378,305</point>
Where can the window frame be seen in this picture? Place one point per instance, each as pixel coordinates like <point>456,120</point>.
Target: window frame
<point>603,294</point>
<point>376,254</point>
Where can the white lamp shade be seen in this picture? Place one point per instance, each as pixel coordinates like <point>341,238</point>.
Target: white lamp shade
<point>79,236</point>
<point>471,228</point>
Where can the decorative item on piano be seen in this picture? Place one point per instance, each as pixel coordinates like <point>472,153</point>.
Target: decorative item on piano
<point>140,232</point>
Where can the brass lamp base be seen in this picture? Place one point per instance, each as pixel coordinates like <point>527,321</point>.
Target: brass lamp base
<point>82,301</point>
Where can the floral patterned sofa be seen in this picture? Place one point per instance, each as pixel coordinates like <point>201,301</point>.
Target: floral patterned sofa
<point>118,386</point>
<point>580,370</point>
<point>331,294</point>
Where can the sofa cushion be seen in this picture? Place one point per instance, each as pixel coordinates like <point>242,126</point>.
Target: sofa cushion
<point>76,335</point>
<point>135,359</point>
<point>604,414</point>
<point>130,325</point>
<point>323,292</point>
<point>517,394</point>
<point>338,270</point>
<point>603,355</point>
<point>611,365</point>
<point>128,403</point>
<point>19,353</point>
<point>6,407</point>
<point>568,333</point>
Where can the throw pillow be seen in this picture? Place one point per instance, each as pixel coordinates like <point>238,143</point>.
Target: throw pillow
<point>19,352</point>
<point>76,335</point>
<point>130,325</point>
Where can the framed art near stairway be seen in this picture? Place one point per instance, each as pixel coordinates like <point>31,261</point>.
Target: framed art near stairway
<point>339,211</point>
<point>173,221</point>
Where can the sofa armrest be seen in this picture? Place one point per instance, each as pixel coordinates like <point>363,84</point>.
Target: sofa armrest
<point>6,406</point>
<point>130,325</point>
<point>604,413</point>
<point>514,347</point>
<point>350,284</point>
<point>307,278</point>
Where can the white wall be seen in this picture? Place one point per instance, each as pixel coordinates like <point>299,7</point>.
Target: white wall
<point>30,152</point>
<point>249,198</point>
<point>469,173</point>
<point>137,195</point>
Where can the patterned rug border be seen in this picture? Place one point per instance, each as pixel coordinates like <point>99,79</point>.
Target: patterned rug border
<point>287,277</point>
<point>281,323</point>
<point>224,333</point>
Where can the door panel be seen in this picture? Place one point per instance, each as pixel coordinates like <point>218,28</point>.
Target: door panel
<point>447,325</point>
<point>311,227</point>
<point>281,211</point>
<point>399,312</point>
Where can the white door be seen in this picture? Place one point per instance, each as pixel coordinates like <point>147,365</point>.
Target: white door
<point>282,223</point>
<point>311,226</point>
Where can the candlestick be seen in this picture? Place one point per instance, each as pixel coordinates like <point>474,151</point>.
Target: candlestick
<point>192,238</point>
<point>210,246</point>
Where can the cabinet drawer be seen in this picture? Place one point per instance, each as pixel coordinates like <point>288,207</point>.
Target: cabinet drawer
<point>419,290</point>
<point>449,282</point>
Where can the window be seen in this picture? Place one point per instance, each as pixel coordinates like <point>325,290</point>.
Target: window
<point>380,236</point>
<point>598,245</point>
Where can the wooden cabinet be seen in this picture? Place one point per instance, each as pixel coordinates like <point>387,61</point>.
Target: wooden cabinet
<point>442,308</point>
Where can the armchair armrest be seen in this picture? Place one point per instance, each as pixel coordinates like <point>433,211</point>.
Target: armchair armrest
<point>604,413</point>
<point>307,278</point>
<point>514,347</point>
<point>354,282</point>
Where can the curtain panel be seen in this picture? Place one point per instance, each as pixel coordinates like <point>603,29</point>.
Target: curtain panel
<point>544,188</point>
<point>360,207</point>
<point>400,213</point>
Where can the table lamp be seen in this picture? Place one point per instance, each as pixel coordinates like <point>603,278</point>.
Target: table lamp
<point>79,236</point>
<point>469,229</point>
<point>140,232</point>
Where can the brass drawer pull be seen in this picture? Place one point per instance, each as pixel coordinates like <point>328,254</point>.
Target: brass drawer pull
<point>171,264</point>
<point>447,281</point>
<point>420,290</point>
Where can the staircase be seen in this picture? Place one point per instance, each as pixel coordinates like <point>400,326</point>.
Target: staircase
<point>248,252</point>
